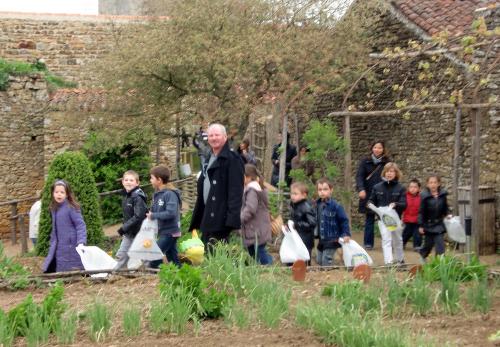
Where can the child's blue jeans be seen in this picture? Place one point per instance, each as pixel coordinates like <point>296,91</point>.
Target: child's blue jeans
<point>263,257</point>
<point>168,245</point>
<point>326,257</point>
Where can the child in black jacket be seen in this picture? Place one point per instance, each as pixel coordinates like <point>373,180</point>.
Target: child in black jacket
<point>391,193</point>
<point>433,209</point>
<point>134,212</point>
<point>303,214</point>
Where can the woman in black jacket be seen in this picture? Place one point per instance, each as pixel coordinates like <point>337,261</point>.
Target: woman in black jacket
<point>433,209</point>
<point>368,175</point>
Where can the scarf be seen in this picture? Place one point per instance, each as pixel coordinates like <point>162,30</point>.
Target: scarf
<point>376,160</point>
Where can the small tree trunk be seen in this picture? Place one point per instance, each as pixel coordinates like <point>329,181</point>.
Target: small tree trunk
<point>456,158</point>
<point>282,171</point>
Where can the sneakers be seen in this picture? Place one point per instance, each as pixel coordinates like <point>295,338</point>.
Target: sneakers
<point>368,247</point>
<point>417,249</point>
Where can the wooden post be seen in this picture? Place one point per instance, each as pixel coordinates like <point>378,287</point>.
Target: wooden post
<point>178,145</point>
<point>284,143</point>
<point>456,158</point>
<point>348,163</point>
<point>22,232</point>
<point>13,222</point>
<point>475,163</point>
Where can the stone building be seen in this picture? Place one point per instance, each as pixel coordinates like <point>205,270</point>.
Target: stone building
<point>422,142</point>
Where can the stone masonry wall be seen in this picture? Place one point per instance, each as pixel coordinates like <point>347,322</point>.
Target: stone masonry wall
<point>68,44</point>
<point>21,141</point>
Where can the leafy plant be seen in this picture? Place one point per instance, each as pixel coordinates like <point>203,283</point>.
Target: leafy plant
<point>75,168</point>
<point>99,318</point>
<point>131,321</point>
<point>213,303</point>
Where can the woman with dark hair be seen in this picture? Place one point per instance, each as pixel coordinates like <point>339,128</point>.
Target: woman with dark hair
<point>246,154</point>
<point>368,175</point>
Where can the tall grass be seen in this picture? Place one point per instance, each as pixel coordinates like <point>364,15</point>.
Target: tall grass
<point>66,328</point>
<point>479,296</point>
<point>7,333</point>
<point>99,317</point>
<point>131,322</point>
<point>238,315</point>
<point>420,296</point>
<point>37,331</point>
<point>450,292</point>
<point>354,295</point>
<point>348,327</point>
<point>397,294</point>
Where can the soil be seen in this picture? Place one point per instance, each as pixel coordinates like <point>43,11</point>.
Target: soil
<point>466,328</point>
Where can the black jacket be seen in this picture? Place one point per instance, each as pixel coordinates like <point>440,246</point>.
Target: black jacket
<point>291,152</point>
<point>221,214</point>
<point>387,192</point>
<point>432,211</point>
<point>304,219</point>
<point>368,175</point>
<point>134,211</point>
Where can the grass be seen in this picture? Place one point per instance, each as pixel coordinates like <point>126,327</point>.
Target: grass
<point>274,305</point>
<point>479,296</point>
<point>38,330</point>
<point>16,68</point>
<point>344,327</point>
<point>397,294</point>
<point>66,328</point>
<point>450,294</point>
<point>131,322</point>
<point>238,315</point>
<point>99,317</point>
<point>6,331</point>
<point>420,296</point>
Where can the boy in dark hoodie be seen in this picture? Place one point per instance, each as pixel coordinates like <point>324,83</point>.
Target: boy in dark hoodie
<point>166,208</point>
<point>302,214</point>
<point>134,212</point>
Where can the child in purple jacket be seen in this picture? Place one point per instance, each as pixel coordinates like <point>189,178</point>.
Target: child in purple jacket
<point>68,230</point>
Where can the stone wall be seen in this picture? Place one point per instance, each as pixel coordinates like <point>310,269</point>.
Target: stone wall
<point>69,44</point>
<point>21,141</point>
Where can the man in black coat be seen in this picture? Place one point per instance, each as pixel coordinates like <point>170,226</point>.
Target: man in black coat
<point>220,190</point>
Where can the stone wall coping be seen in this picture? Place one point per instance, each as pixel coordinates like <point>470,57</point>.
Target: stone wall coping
<point>76,17</point>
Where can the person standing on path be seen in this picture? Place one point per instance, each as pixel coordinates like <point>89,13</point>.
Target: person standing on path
<point>368,175</point>
<point>220,190</point>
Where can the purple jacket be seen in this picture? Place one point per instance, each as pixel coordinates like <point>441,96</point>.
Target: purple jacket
<point>68,231</point>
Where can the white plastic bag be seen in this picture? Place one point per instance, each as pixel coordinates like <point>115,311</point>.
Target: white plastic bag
<point>455,230</point>
<point>354,254</point>
<point>292,247</point>
<point>94,258</point>
<point>388,216</point>
<point>144,246</point>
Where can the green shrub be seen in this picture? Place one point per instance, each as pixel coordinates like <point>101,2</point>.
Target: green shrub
<point>73,167</point>
<point>110,155</point>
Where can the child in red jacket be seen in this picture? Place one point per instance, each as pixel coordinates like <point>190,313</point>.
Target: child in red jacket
<point>410,215</point>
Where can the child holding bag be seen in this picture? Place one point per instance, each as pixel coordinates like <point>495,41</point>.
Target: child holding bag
<point>391,193</point>
<point>68,230</point>
<point>433,209</point>
<point>255,220</point>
